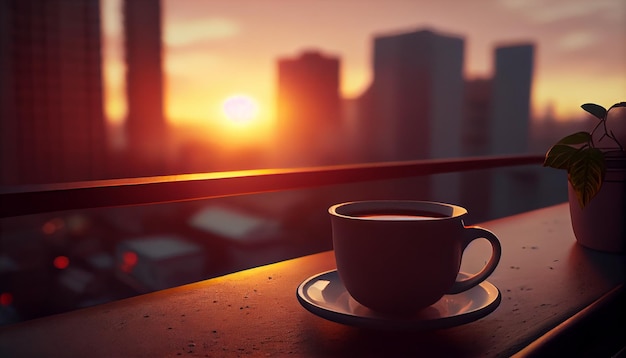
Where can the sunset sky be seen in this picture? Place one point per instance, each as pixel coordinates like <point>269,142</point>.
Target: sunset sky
<point>217,49</point>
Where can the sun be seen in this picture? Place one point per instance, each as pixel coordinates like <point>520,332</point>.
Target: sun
<point>240,109</point>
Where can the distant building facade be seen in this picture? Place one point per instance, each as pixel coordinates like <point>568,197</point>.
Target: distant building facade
<point>413,108</point>
<point>51,97</point>
<point>476,135</point>
<point>308,108</point>
<point>512,84</point>
<point>416,96</point>
<point>146,132</point>
<point>512,189</point>
<point>475,142</point>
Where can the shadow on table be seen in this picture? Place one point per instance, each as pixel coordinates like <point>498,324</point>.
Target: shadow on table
<point>330,339</point>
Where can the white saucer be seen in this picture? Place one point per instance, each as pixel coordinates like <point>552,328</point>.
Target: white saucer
<point>324,295</point>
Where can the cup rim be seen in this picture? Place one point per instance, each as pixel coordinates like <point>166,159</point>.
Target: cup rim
<point>449,211</point>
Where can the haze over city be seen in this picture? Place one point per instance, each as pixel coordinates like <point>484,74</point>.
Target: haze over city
<point>214,50</point>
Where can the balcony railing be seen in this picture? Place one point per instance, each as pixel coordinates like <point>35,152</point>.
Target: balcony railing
<point>34,199</point>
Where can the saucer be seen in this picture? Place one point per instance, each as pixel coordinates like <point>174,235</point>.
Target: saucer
<point>324,295</point>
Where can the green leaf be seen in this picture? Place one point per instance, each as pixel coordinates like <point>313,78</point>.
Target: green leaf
<point>597,110</point>
<point>586,173</point>
<point>560,156</point>
<point>620,104</point>
<point>576,138</point>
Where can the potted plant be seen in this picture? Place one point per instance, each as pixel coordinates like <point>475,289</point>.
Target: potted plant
<point>596,171</point>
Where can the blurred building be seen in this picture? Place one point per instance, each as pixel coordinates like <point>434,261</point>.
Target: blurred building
<point>476,135</point>
<point>158,262</point>
<point>146,132</point>
<point>512,84</point>
<point>308,109</point>
<point>475,141</point>
<point>512,188</point>
<point>52,126</point>
<point>413,109</point>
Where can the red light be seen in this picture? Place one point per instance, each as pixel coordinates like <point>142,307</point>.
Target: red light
<point>61,262</point>
<point>52,226</point>
<point>6,299</point>
<point>129,260</point>
<point>48,228</point>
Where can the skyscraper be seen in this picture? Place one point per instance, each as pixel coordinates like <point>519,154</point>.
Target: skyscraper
<point>51,107</point>
<point>145,122</point>
<point>477,117</point>
<point>512,188</point>
<point>475,184</point>
<point>510,110</point>
<point>414,106</point>
<point>308,108</point>
<point>416,95</point>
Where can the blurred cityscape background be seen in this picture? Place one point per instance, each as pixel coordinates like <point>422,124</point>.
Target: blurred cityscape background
<point>62,120</point>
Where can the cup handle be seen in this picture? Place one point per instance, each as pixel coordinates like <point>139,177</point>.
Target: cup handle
<point>472,233</point>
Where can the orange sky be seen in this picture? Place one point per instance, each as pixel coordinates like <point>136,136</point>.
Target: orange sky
<point>215,49</point>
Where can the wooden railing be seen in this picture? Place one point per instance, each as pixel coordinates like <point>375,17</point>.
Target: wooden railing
<point>25,200</point>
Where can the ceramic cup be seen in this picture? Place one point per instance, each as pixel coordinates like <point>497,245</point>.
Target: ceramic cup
<point>399,257</point>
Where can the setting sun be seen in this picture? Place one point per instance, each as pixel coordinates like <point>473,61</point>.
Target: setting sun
<point>240,108</point>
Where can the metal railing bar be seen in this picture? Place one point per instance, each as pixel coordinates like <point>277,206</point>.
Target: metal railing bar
<point>34,199</point>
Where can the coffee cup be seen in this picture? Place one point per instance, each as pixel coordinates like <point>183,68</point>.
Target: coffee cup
<point>399,256</point>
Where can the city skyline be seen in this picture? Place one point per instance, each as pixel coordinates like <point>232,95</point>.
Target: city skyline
<point>399,121</point>
<point>214,50</point>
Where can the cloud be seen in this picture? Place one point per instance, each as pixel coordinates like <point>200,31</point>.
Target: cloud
<point>577,40</point>
<point>188,32</point>
<point>200,62</point>
<point>556,10</point>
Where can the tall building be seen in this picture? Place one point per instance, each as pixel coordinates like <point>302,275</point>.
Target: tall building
<point>416,96</point>
<point>52,126</point>
<point>414,106</point>
<point>512,84</point>
<point>512,188</point>
<point>145,123</point>
<point>475,137</point>
<point>475,141</point>
<point>308,109</point>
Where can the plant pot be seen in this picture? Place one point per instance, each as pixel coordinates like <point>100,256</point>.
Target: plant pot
<point>601,225</point>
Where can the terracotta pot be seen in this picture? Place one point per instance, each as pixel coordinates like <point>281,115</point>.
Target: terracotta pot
<point>601,225</point>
